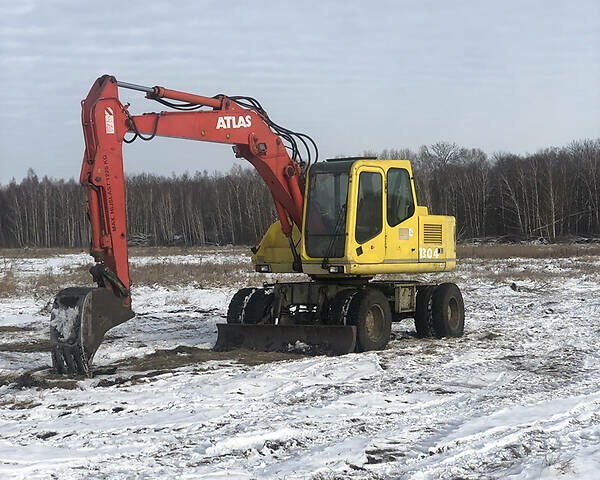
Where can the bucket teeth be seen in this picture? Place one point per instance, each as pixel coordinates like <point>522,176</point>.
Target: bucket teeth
<point>80,317</point>
<point>69,359</point>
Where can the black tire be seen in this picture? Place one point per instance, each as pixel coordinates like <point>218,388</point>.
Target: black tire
<point>237,304</point>
<point>258,307</point>
<point>370,312</point>
<point>423,315</point>
<point>448,311</point>
<point>338,308</point>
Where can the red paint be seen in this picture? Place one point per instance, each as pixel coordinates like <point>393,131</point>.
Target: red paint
<point>105,123</point>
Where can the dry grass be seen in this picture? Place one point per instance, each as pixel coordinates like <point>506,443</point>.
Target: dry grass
<point>46,285</point>
<point>8,282</point>
<point>566,260</point>
<point>183,250</point>
<point>499,251</point>
<point>502,251</point>
<point>133,251</point>
<point>50,283</point>
<point>37,252</point>
<point>204,274</point>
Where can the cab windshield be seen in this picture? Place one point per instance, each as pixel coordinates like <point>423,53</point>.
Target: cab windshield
<point>326,214</point>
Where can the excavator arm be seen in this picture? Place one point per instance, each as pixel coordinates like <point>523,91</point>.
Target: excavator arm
<point>106,122</point>
<point>81,317</point>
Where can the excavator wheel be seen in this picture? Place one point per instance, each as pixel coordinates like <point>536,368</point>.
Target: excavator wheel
<point>338,308</point>
<point>370,312</point>
<point>237,305</point>
<point>250,306</point>
<point>258,306</point>
<point>423,315</point>
<point>79,319</point>
<point>448,311</point>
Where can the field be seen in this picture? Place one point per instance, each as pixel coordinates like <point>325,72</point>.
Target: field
<point>517,397</point>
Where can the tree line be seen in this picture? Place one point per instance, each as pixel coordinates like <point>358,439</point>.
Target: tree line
<point>198,209</point>
<point>554,193</point>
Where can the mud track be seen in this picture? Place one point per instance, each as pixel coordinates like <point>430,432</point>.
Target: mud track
<point>182,355</point>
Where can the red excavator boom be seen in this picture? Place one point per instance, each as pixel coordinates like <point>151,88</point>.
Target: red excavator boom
<point>106,122</point>
<point>239,121</point>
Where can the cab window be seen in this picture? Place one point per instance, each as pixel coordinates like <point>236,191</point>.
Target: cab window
<point>400,203</point>
<point>369,217</point>
<point>326,214</point>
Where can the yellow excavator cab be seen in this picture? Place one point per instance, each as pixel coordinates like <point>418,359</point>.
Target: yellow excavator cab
<point>361,218</point>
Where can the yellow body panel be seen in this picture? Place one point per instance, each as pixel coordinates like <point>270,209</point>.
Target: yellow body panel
<point>274,249</point>
<point>420,243</point>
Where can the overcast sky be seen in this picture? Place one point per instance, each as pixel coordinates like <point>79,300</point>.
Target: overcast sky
<point>501,75</point>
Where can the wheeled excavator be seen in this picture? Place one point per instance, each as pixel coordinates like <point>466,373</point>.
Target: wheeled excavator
<point>341,222</point>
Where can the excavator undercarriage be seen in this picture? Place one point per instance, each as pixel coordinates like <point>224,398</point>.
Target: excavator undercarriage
<point>341,222</point>
<point>337,317</point>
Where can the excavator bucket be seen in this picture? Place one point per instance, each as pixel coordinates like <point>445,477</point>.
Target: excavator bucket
<point>326,339</point>
<point>80,317</point>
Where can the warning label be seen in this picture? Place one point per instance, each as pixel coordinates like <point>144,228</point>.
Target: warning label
<point>109,119</point>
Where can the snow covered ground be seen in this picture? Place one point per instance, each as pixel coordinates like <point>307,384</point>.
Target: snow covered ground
<point>517,397</point>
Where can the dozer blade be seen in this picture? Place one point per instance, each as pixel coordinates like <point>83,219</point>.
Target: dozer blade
<point>327,339</point>
<point>80,317</point>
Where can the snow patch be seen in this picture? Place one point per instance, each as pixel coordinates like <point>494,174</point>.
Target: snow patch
<point>64,321</point>
<point>298,347</point>
<point>255,440</point>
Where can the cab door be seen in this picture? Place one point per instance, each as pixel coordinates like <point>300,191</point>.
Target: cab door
<point>368,232</point>
<point>401,223</point>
